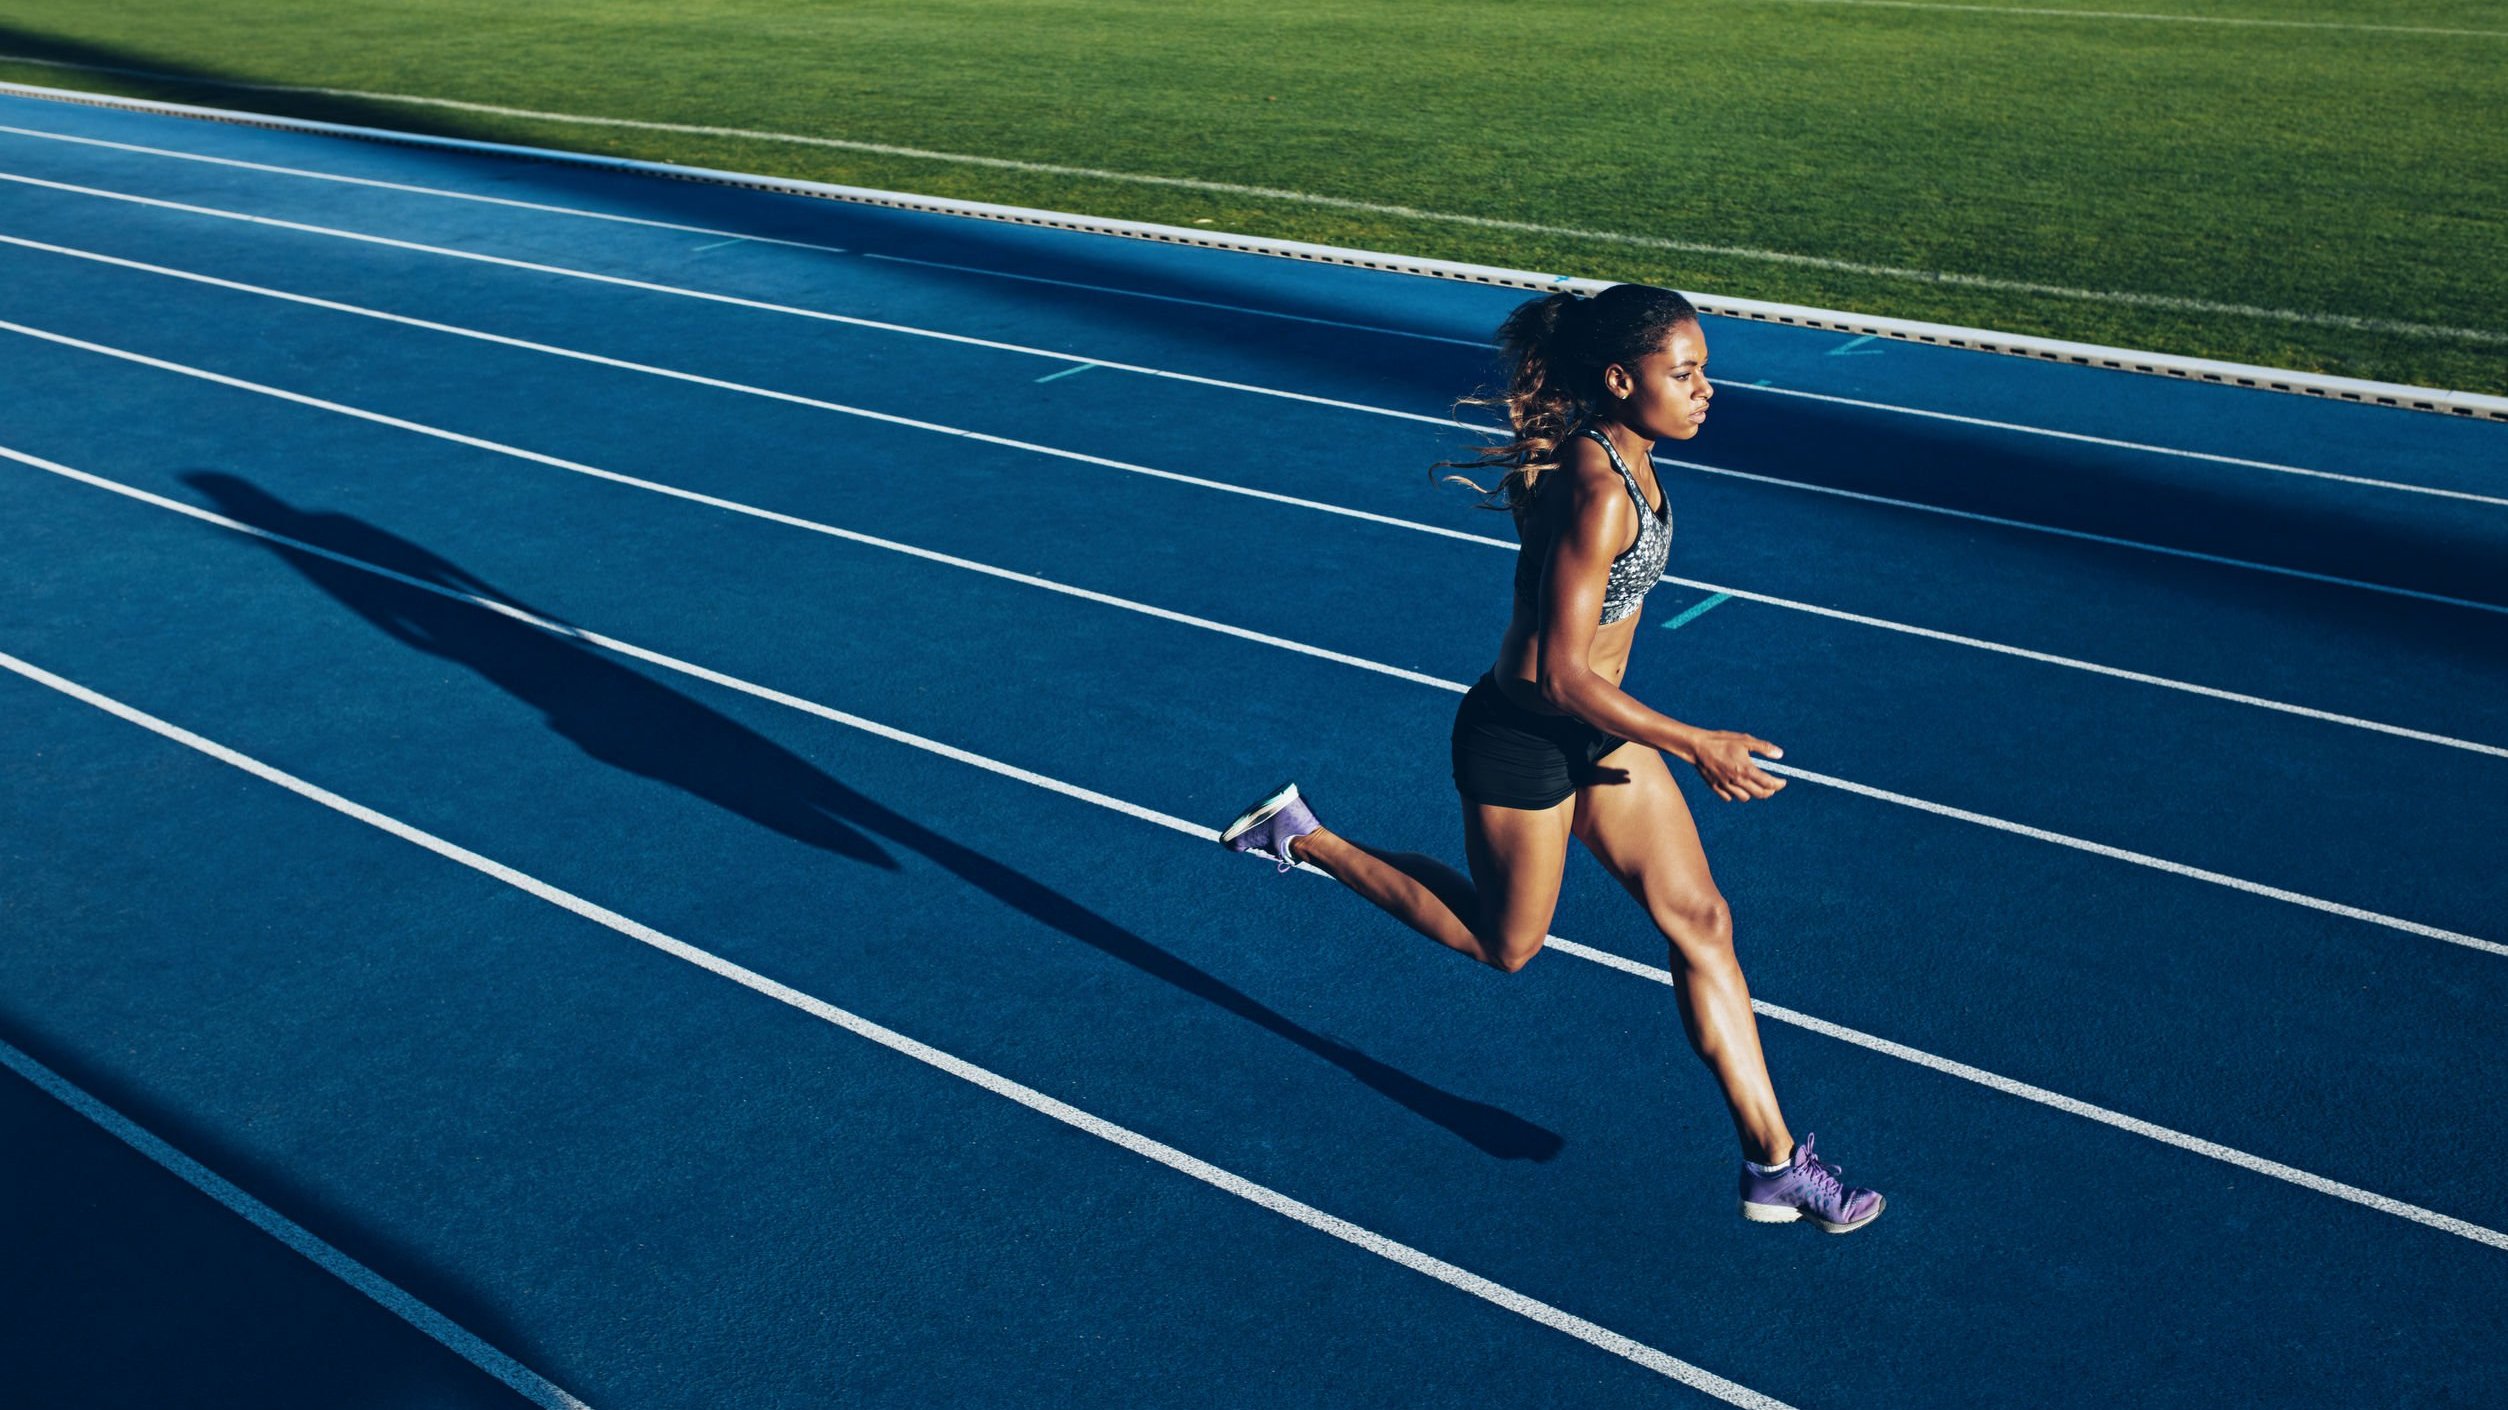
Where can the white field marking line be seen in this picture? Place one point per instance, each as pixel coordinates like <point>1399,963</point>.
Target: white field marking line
<point>1814,609</point>
<point>2142,859</point>
<point>736,507</point>
<point>988,439</point>
<point>1271,193</point>
<point>2144,447</point>
<point>2169,19</point>
<point>1964,1071</point>
<point>1478,428</point>
<point>390,1296</point>
<point>2086,536</point>
<point>1496,1294</point>
<point>648,286</point>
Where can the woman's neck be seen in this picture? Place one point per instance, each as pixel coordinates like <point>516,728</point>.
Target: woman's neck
<point>1629,442</point>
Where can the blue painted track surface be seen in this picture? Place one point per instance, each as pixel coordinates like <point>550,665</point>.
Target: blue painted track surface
<point>655,1187</point>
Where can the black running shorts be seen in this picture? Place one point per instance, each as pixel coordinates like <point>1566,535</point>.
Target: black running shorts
<point>1510,757</point>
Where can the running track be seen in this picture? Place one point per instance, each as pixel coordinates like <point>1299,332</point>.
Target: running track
<point>539,986</point>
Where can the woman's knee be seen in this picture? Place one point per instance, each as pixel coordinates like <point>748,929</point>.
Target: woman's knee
<point>1699,924</point>
<point>1509,950</point>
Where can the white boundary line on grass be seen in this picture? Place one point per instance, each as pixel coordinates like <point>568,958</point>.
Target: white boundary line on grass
<point>1984,820</point>
<point>1914,330</point>
<point>2147,15</point>
<point>818,403</point>
<point>996,345</point>
<point>385,1293</point>
<point>2008,1086</point>
<point>735,506</point>
<point>1496,1294</point>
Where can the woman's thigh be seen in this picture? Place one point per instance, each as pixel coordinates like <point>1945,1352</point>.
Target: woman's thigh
<point>1635,822</point>
<point>1518,856</point>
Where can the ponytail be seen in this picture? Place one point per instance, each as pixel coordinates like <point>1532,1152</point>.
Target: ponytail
<point>1556,348</point>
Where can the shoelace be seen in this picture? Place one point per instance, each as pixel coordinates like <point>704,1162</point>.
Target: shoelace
<point>1824,1175</point>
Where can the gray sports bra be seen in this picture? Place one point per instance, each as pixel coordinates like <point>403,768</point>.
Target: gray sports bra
<point>1633,573</point>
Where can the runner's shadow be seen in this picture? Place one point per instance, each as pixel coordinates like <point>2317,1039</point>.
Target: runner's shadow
<point>629,721</point>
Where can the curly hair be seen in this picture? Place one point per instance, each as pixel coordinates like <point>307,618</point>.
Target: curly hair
<point>1557,348</point>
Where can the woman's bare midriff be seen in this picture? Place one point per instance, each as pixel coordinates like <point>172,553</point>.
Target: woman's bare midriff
<point>1518,672</point>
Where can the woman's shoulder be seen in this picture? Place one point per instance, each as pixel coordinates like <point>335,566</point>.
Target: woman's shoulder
<point>1590,486</point>
<point>1586,465</point>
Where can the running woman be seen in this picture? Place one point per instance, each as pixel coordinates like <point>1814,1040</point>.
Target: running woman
<point>1547,746</point>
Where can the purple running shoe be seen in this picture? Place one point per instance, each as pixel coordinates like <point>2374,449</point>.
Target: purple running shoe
<point>1267,828</point>
<point>1808,1188</point>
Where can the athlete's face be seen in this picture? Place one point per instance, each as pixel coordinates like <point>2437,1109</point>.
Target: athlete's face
<point>1665,395</point>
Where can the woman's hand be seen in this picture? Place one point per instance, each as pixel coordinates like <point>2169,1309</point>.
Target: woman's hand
<point>1722,758</point>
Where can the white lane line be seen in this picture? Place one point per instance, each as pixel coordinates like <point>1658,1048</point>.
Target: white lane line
<point>2085,536</point>
<point>2072,1106</point>
<point>2129,298</point>
<point>481,198</point>
<point>796,399</point>
<point>385,1293</point>
<point>1480,344</point>
<point>2095,668</point>
<point>2147,15</point>
<point>1142,813</point>
<point>2137,446</point>
<point>1416,677</point>
<point>647,286</point>
<point>1812,609</point>
<point>734,506</point>
<point>1477,344</point>
<point>1496,1294</point>
<point>2141,859</point>
<point>745,389</point>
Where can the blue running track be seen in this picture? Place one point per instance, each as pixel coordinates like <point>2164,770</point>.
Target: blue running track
<point>879,609</point>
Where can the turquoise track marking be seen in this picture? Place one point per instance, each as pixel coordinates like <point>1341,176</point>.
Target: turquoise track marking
<point>1848,349</point>
<point>1068,371</point>
<point>735,240</point>
<point>1696,611</point>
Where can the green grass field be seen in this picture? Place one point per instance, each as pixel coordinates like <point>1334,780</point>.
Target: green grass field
<point>2346,188</point>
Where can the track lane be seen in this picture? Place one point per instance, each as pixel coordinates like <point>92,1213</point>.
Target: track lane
<point>2003,771</point>
<point>450,1086</point>
<point>487,766</point>
<point>2215,1006</point>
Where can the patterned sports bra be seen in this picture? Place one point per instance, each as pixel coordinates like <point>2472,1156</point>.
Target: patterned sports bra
<point>1637,568</point>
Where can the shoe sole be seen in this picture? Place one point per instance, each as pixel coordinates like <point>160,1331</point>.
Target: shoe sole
<point>1787,1214</point>
<point>1259,814</point>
